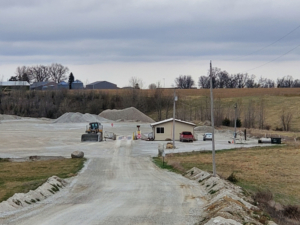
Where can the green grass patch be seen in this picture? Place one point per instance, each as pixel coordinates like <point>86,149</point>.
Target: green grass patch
<point>21,177</point>
<point>159,162</point>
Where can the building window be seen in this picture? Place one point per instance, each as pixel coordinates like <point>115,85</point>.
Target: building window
<point>160,130</point>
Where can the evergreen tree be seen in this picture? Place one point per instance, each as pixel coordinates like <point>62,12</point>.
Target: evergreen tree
<point>71,80</point>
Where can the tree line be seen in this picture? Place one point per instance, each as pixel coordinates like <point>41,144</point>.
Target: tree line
<point>39,73</point>
<point>222,79</point>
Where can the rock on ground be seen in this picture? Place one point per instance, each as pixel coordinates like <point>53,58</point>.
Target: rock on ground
<point>77,154</point>
<point>126,114</point>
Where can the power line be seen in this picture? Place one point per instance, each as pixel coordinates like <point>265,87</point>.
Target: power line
<point>272,59</point>
<point>268,44</point>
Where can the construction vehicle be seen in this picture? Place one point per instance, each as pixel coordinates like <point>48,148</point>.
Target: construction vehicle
<point>93,132</point>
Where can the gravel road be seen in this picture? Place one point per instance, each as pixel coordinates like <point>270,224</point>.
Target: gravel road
<point>115,187</point>
<point>119,183</point>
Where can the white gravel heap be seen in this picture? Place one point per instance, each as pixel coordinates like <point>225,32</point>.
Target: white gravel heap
<point>77,117</point>
<point>20,200</point>
<point>9,117</point>
<point>126,114</point>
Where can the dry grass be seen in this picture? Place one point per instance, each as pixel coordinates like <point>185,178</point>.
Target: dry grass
<point>20,177</point>
<point>275,100</point>
<point>218,93</point>
<point>270,168</point>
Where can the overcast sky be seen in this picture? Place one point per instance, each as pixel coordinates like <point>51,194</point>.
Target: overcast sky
<point>155,40</point>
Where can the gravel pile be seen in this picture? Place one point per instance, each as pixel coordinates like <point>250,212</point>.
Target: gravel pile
<point>126,114</point>
<point>20,200</point>
<point>204,129</point>
<point>9,117</point>
<point>79,118</point>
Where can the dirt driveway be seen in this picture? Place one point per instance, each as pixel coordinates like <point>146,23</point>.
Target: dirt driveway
<point>118,185</point>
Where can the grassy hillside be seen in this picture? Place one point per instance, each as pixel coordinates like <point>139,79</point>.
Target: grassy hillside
<point>254,105</point>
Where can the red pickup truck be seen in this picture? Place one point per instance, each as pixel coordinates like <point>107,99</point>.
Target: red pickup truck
<point>186,136</point>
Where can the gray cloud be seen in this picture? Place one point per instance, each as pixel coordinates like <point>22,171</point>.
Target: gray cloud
<point>116,30</point>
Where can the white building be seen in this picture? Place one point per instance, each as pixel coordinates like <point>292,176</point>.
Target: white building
<point>163,130</point>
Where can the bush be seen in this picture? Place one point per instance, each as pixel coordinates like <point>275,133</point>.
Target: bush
<point>226,122</point>
<point>292,212</point>
<point>232,178</point>
<point>238,122</point>
<point>263,196</point>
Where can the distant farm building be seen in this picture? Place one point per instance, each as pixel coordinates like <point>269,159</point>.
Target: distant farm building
<point>8,85</point>
<point>77,84</point>
<point>163,130</point>
<point>46,85</point>
<point>62,85</point>
<point>101,85</point>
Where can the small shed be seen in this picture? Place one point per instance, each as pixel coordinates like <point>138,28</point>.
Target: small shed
<point>163,130</point>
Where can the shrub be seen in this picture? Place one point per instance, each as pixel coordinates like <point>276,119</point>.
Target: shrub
<point>226,122</point>
<point>232,178</point>
<point>263,196</point>
<point>292,212</point>
<point>238,122</point>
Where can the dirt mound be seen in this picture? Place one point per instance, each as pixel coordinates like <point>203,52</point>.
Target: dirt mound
<point>126,114</point>
<point>79,118</point>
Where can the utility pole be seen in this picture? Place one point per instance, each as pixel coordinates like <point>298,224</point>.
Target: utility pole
<point>234,135</point>
<point>175,99</point>
<point>212,122</point>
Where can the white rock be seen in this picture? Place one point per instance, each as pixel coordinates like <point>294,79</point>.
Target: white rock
<point>222,221</point>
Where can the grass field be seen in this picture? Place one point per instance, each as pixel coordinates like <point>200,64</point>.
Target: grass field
<point>21,177</point>
<point>273,168</point>
<point>191,100</point>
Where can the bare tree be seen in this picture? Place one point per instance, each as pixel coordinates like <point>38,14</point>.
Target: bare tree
<point>22,74</point>
<point>241,79</point>
<point>184,82</point>
<point>261,114</point>
<point>58,72</point>
<point>249,119</point>
<point>250,82</point>
<point>286,81</point>
<point>286,117</point>
<point>136,82</point>
<point>38,73</point>
<point>152,86</point>
<point>296,83</point>
<point>203,82</point>
<point>266,83</point>
<point>224,79</point>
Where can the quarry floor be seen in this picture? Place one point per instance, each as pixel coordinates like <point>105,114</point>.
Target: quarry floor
<point>119,183</point>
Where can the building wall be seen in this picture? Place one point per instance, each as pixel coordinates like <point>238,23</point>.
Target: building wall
<point>77,85</point>
<point>102,85</point>
<point>168,130</point>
